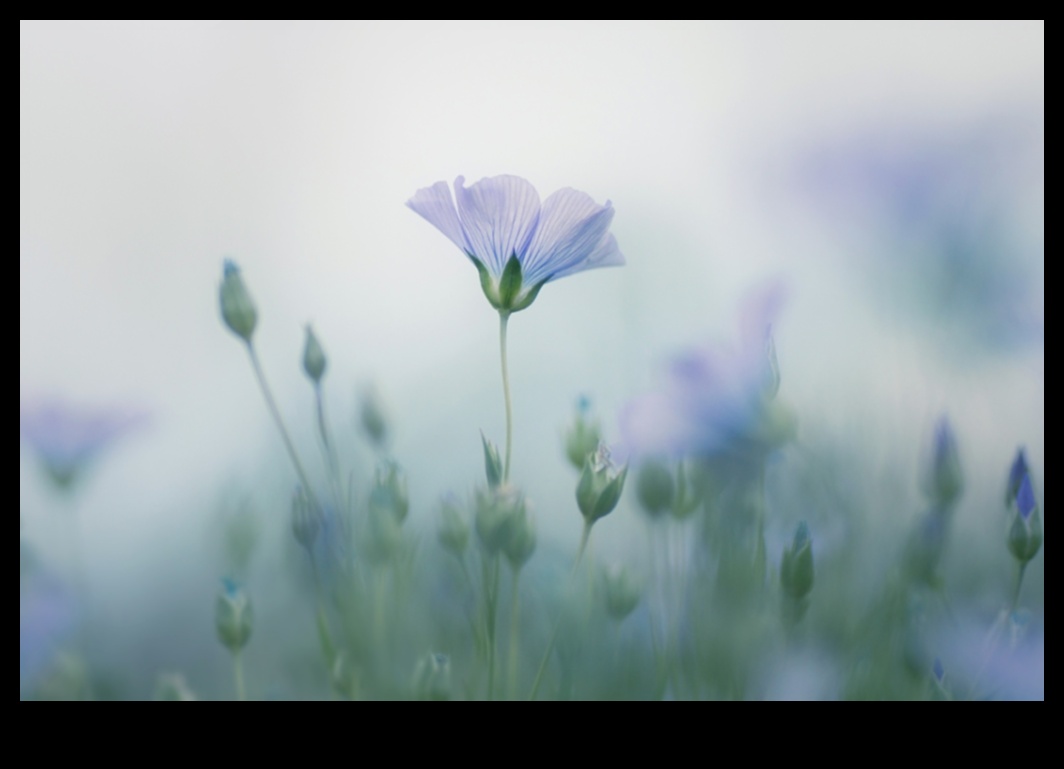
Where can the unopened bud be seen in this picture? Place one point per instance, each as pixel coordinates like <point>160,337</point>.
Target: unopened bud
<point>623,593</point>
<point>238,311</point>
<point>582,437</point>
<point>600,486</point>
<point>1017,473</point>
<point>944,478</point>
<point>314,361</point>
<point>689,495</point>
<point>655,488</point>
<point>233,616</point>
<point>496,511</point>
<point>373,419</point>
<point>521,542</point>
<point>453,534</point>
<point>390,493</point>
<point>1025,533</point>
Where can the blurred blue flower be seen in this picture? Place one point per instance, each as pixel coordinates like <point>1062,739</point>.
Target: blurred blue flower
<point>500,220</point>
<point>66,438</point>
<point>720,399</point>
<point>954,222</point>
<point>47,614</point>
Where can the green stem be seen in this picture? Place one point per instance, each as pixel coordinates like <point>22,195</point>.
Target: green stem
<point>238,676</point>
<point>504,318</point>
<point>515,632</point>
<point>585,537</point>
<point>331,459</point>
<point>271,404</point>
<point>1019,586</point>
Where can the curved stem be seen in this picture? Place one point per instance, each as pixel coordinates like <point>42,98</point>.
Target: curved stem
<point>504,318</point>
<point>585,537</point>
<point>276,414</point>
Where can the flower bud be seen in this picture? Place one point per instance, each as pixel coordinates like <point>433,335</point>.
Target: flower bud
<point>432,678</point>
<point>521,542</point>
<point>390,493</point>
<point>496,511</point>
<point>306,519</point>
<point>797,572</point>
<point>600,486</point>
<point>233,616</point>
<point>314,361</point>
<point>493,469</point>
<point>1025,532</point>
<point>453,534</point>
<point>944,481</point>
<point>1017,473</point>
<point>688,494</point>
<point>623,592</point>
<point>655,488</point>
<point>373,419</point>
<point>583,437</point>
<point>238,311</point>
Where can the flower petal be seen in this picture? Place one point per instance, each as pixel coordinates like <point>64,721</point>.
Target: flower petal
<point>571,227</point>
<point>434,205</point>
<point>498,217</point>
<point>607,254</point>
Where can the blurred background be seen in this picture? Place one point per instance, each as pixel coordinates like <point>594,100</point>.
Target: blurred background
<point>891,175</point>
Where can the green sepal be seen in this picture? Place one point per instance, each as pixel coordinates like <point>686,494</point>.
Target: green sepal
<point>610,496</point>
<point>510,284</point>
<point>528,298</point>
<point>487,284</point>
<point>492,463</point>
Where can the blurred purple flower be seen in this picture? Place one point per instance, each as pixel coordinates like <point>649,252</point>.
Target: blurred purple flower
<point>66,438</point>
<point>501,218</point>
<point>47,614</point>
<point>955,221</point>
<point>720,399</point>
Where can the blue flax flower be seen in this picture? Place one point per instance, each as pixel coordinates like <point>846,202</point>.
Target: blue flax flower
<point>719,400</point>
<point>65,438</point>
<point>517,243</point>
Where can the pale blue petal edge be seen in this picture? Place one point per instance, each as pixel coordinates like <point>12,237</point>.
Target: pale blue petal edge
<point>434,205</point>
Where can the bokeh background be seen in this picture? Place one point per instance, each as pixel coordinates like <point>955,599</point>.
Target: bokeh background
<point>890,174</point>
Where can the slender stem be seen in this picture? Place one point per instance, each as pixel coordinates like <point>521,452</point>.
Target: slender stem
<point>276,414</point>
<point>1019,586</point>
<point>515,634</point>
<point>504,318</point>
<point>238,676</point>
<point>327,447</point>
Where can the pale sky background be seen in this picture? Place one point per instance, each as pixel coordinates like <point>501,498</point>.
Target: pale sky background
<point>150,151</point>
